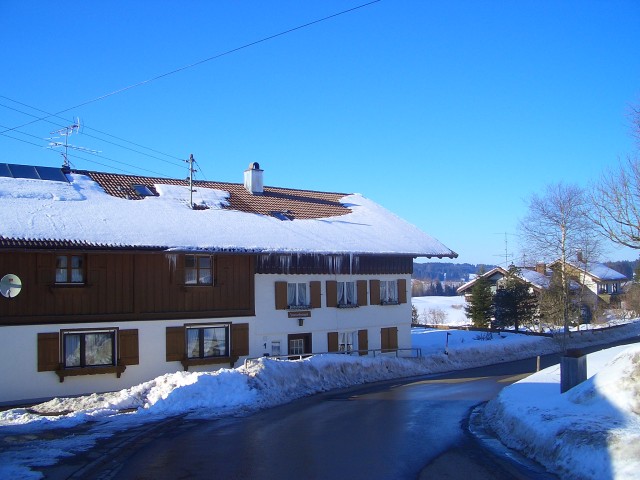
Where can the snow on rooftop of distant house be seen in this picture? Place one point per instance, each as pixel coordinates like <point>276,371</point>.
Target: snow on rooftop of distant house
<point>601,271</point>
<point>534,278</point>
<point>82,211</point>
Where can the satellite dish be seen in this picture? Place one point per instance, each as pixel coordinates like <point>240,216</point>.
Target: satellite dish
<point>10,285</point>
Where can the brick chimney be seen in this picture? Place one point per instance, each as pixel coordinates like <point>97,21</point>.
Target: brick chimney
<point>541,268</point>
<point>253,179</point>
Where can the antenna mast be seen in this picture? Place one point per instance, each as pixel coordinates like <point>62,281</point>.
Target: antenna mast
<point>65,132</point>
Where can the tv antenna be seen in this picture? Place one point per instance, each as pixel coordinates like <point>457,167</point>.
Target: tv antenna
<point>506,253</point>
<point>65,132</point>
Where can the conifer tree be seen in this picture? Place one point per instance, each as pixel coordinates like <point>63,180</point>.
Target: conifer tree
<point>480,303</point>
<point>514,304</point>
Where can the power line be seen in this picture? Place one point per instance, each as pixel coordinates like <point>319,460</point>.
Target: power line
<point>87,134</point>
<point>200,62</point>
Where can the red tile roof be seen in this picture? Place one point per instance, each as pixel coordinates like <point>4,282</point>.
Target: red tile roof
<point>296,204</point>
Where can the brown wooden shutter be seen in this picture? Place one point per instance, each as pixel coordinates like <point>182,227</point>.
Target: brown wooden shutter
<point>281,296</point>
<point>362,292</point>
<point>332,293</point>
<point>402,290</point>
<point>374,292</point>
<point>363,341</point>
<point>239,339</point>
<point>129,352</point>
<point>314,287</point>
<point>175,344</point>
<point>389,338</point>
<point>332,341</point>
<point>48,352</point>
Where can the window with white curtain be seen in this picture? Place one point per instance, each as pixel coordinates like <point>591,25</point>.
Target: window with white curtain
<point>347,341</point>
<point>208,341</point>
<point>297,295</point>
<point>388,292</point>
<point>89,349</point>
<point>70,269</point>
<point>347,296</point>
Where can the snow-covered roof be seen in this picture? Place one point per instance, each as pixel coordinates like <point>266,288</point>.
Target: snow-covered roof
<point>536,279</point>
<point>598,271</point>
<point>81,212</point>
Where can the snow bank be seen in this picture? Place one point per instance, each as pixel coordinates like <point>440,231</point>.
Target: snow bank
<point>590,432</point>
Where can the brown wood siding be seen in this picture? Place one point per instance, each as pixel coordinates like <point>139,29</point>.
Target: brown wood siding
<point>363,341</point>
<point>301,264</point>
<point>48,352</point>
<point>332,293</point>
<point>332,341</point>
<point>374,292</point>
<point>362,292</point>
<point>281,295</point>
<point>314,288</point>
<point>124,286</point>
<point>239,339</point>
<point>175,344</point>
<point>128,345</point>
<point>402,290</point>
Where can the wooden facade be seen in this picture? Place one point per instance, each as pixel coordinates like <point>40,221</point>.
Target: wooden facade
<point>125,286</point>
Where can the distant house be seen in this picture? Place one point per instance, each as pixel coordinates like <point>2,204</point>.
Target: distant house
<point>109,280</point>
<point>537,279</point>
<point>601,283</point>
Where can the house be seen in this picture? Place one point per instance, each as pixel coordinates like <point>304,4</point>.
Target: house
<point>537,279</point>
<point>109,280</point>
<point>601,283</point>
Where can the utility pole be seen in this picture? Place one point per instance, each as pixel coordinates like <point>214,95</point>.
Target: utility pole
<point>191,172</point>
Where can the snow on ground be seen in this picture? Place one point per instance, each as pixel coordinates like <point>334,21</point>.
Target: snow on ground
<point>40,435</point>
<point>452,307</point>
<point>591,431</point>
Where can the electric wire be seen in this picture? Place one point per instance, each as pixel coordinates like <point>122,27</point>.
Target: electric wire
<point>200,62</point>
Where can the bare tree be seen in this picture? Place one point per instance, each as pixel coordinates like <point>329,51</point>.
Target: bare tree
<point>616,200</point>
<point>616,197</point>
<point>556,228</point>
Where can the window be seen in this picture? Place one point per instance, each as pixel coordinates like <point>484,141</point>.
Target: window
<point>297,295</point>
<point>143,190</point>
<point>70,269</point>
<point>388,292</point>
<point>198,270</point>
<point>89,349</point>
<point>208,341</point>
<point>275,348</point>
<point>347,296</point>
<point>296,346</point>
<point>347,341</point>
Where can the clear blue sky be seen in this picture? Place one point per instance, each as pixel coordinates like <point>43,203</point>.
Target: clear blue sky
<point>449,114</point>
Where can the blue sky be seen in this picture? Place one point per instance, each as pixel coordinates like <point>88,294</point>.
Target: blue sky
<point>450,114</point>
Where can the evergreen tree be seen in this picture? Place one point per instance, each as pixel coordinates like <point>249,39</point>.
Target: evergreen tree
<point>480,303</point>
<point>415,317</point>
<point>514,304</point>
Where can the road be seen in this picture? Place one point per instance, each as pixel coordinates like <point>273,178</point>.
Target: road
<point>405,429</point>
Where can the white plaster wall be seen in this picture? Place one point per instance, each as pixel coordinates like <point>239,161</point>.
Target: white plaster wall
<point>271,324</point>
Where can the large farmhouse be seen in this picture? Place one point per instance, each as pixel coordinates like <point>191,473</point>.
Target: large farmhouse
<point>110,280</point>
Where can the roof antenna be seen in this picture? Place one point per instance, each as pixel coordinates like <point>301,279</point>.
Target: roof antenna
<point>66,132</point>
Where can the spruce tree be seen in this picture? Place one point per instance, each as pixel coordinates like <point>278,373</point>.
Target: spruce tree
<point>480,304</point>
<point>514,304</point>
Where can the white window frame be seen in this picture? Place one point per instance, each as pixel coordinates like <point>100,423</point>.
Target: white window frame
<point>298,296</point>
<point>389,292</point>
<point>347,294</point>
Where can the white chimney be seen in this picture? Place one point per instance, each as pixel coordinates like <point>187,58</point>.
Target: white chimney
<point>253,179</point>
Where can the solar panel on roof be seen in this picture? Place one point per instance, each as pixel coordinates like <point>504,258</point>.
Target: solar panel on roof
<point>51,173</point>
<point>28,171</point>
<point>24,171</point>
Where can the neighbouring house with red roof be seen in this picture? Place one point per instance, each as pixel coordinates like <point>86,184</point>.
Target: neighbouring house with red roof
<point>109,280</point>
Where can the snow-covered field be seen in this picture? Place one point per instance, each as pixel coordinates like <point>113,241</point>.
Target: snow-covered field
<point>451,307</point>
<point>39,436</point>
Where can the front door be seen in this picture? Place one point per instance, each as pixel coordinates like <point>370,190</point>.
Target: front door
<point>299,343</point>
